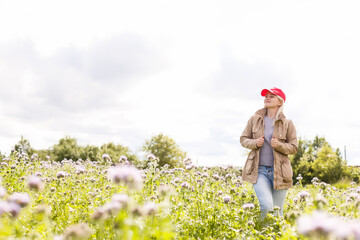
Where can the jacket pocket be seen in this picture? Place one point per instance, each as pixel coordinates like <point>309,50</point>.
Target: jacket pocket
<point>250,163</point>
<point>286,171</point>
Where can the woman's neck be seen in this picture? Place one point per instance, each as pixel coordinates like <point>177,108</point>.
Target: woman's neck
<point>271,112</point>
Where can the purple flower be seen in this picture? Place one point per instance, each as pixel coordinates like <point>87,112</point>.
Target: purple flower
<point>106,157</point>
<point>248,206</point>
<point>189,167</point>
<point>122,159</point>
<point>35,183</point>
<point>127,175</point>
<point>123,199</point>
<point>2,192</point>
<point>319,223</point>
<point>227,198</point>
<point>185,185</point>
<point>149,208</point>
<point>112,207</point>
<point>150,156</point>
<point>303,194</point>
<point>61,174</point>
<point>21,199</point>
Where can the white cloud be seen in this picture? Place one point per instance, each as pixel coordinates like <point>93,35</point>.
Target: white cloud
<point>123,71</point>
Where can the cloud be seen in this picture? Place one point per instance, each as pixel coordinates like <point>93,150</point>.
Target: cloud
<point>239,79</point>
<point>74,79</point>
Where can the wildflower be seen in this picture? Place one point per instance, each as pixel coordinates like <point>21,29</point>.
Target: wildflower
<point>2,192</point>
<point>149,208</point>
<point>185,185</point>
<point>248,206</point>
<point>61,174</point>
<point>228,176</point>
<point>137,211</point>
<point>78,231</point>
<point>165,190</point>
<point>189,167</point>
<point>315,180</point>
<point>35,183</point>
<point>177,180</point>
<point>150,157</point>
<point>299,178</point>
<point>127,175</point>
<point>200,182</point>
<point>123,199</point>
<point>220,192</point>
<point>354,196</point>
<point>188,161</point>
<point>106,157</point>
<point>319,223</point>
<point>13,208</point>
<point>99,213</point>
<point>303,194</point>
<point>216,177</point>
<point>43,210</point>
<point>323,185</point>
<point>112,208</point>
<point>227,198</point>
<point>22,199</point>
<point>123,159</point>
<point>251,223</point>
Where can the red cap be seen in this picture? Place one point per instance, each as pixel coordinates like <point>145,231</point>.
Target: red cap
<point>276,91</point>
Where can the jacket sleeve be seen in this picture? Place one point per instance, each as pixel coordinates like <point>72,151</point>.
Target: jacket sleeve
<point>291,144</point>
<point>246,139</point>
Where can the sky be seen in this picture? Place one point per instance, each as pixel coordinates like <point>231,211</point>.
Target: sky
<point>124,71</point>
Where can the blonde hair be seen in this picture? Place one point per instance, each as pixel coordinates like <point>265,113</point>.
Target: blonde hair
<point>281,108</point>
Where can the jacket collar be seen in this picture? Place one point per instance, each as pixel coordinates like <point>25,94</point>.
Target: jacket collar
<point>262,113</point>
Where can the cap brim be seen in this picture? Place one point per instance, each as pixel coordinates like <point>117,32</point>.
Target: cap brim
<point>265,91</point>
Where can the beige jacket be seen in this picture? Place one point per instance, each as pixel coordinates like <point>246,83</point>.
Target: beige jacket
<point>285,132</point>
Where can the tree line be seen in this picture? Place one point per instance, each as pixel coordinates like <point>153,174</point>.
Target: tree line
<point>315,158</point>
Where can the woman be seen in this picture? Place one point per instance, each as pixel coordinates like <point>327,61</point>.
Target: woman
<point>271,137</point>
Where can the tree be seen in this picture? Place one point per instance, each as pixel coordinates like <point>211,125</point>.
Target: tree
<point>317,159</point>
<point>66,148</point>
<point>90,152</point>
<point>165,149</point>
<point>23,146</point>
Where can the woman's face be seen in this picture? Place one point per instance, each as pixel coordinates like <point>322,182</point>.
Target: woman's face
<point>271,101</point>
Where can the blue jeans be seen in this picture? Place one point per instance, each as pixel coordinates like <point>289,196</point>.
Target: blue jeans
<point>265,192</point>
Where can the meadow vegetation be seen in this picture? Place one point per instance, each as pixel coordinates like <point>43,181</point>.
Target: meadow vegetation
<point>125,198</point>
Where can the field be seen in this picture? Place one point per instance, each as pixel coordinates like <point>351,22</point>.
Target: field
<point>88,200</point>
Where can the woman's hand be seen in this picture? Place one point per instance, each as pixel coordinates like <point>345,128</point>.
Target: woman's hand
<point>274,142</point>
<point>260,141</point>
